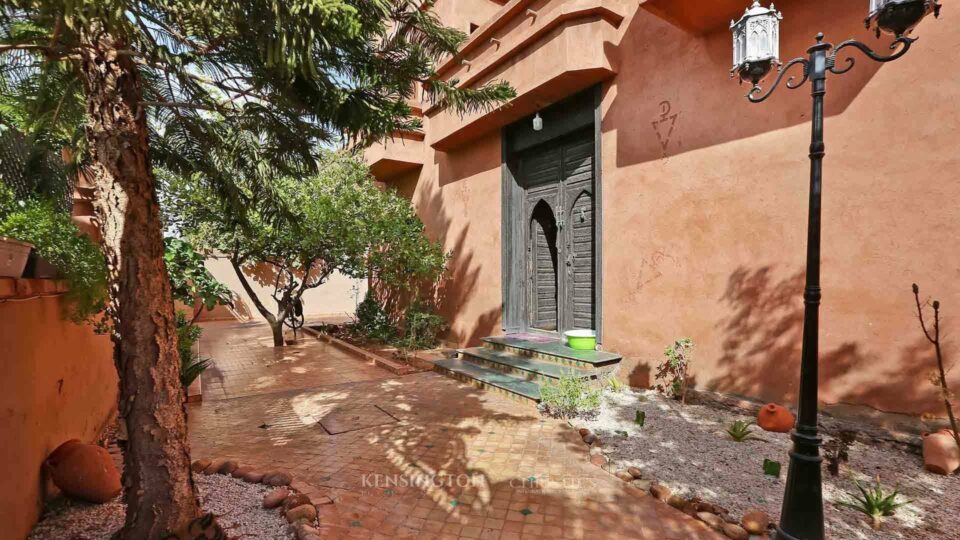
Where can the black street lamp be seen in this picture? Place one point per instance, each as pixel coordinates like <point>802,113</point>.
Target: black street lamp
<point>756,52</point>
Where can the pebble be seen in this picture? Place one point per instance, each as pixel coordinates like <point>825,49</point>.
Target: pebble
<point>599,460</point>
<point>304,512</point>
<point>589,438</point>
<point>625,476</point>
<point>228,467</point>
<point>735,532</point>
<point>295,500</point>
<point>755,522</point>
<point>660,492</point>
<point>214,467</point>
<point>240,471</point>
<point>277,479</point>
<point>584,432</point>
<point>644,485</point>
<point>713,520</point>
<point>253,477</point>
<point>275,498</point>
<point>676,501</point>
<point>635,472</point>
<point>199,465</point>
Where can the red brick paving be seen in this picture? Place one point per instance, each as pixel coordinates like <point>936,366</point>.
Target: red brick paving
<point>456,463</point>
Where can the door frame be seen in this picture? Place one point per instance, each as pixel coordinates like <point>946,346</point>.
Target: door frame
<point>572,114</point>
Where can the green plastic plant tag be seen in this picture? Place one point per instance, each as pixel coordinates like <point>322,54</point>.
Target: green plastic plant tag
<point>771,468</point>
<point>641,418</point>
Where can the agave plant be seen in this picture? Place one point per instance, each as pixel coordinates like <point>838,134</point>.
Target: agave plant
<point>739,431</point>
<point>874,501</point>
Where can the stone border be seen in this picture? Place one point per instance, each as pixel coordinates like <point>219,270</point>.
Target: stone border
<point>385,363</point>
<point>300,512</point>
<point>753,524</point>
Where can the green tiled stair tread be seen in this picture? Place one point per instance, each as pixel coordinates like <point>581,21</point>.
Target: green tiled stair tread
<point>540,367</point>
<point>556,348</point>
<point>492,377</point>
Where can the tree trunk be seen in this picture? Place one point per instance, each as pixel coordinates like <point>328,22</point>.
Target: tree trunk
<point>159,491</point>
<point>277,329</point>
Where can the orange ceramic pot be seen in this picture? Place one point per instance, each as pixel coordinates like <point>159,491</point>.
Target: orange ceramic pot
<point>84,471</point>
<point>940,452</point>
<point>773,417</point>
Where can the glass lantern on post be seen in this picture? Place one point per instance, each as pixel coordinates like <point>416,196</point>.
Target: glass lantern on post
<point>899,17</point>
<point>756,42</point>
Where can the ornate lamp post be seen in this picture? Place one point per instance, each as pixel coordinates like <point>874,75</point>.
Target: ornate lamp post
<point>755,53</point>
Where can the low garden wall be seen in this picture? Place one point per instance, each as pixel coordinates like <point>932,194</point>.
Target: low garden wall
<point>58,383</point>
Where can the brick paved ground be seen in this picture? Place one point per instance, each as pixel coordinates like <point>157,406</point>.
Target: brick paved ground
<point>420,456</point>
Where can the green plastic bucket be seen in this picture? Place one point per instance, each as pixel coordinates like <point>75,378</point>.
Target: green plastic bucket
<point>581,340</point>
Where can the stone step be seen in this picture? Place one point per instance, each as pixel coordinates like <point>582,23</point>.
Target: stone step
<point>553,351</point>
<point>489,378</point>
<point>520,366</point>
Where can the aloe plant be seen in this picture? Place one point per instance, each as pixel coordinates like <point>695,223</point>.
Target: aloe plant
<point>874,501</point>
<point>739,431</point>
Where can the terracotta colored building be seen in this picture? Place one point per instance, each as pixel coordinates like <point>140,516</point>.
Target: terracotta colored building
<point>658,203</point>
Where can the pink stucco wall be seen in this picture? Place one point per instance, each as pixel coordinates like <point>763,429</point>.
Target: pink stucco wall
<point>704,229</point>
<point>58,383</point>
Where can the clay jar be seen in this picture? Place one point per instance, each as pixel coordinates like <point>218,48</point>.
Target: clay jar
<point>773,417</point>
<point>940,452</point>
<point>84,471</point>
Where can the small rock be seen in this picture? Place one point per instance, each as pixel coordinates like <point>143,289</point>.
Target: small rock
<point>644,485</point>
<point>228,467</point>
<point>199,465</point>
<point>690,508</point>
<point>707,507</point>
<point>599,460</point>
<point>596,451</point>
<point>590,438</point>
<point>635,472</point>
<point>277,479</point>
<point>713,520</point>
<point>676,501</point>
<point>275,498</point>
<point>253,477</point>
<point>660,492</point>
<point>625,476</point>
<point>306,532</point>
<point>214,466</point>
<point>735,532</point>
<point>755,522</point>
<point>584,432</point>
<point>240,471</point>
<point>304,512</point>
<point>295,500</point>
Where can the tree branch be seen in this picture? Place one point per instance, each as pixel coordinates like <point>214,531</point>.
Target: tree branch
<point>234,261</point>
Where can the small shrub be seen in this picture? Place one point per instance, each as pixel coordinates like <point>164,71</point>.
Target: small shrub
<point>191,364</point>
<point>739,431</point>
<point>569,396</point>
<point>673,372</point>
<point>836,451</point>
<point>874,501</point>
<point>640,419</point>
<point>372,321</point>
<point>422,327</point>
<point>614,384</point>
<point>772,468</point>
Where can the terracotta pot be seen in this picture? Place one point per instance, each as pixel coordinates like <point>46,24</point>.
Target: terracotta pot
<point>773,417</point>
<point>13,257</point>
<point>940,452</point>
<point>84,471</point>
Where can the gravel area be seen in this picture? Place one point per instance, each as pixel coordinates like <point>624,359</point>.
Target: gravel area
<point>236,503</point>
<point>686,448</point>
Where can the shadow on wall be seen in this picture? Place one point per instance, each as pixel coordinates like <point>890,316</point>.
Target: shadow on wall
<point>462,279</point>
<point>761,352</point>
<point>688,100</point>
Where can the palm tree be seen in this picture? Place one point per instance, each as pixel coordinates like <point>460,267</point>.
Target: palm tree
<point>160,81</point>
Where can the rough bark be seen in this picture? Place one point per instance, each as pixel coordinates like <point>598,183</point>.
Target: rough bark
<point>159,491</point>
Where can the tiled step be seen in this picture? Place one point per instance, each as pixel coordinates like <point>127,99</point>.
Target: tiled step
<point>485,377</point>
<point>552,351</point>
<point>524,367</point>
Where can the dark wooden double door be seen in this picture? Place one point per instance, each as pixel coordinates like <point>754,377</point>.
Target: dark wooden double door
<point>559,207</point>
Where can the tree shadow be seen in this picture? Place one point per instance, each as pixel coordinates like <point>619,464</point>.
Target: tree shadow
<point>761,349</point>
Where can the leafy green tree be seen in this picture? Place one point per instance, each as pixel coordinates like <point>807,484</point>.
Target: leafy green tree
<point>164,81</point>
<point>337,220</point>
<point>190,280</point>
